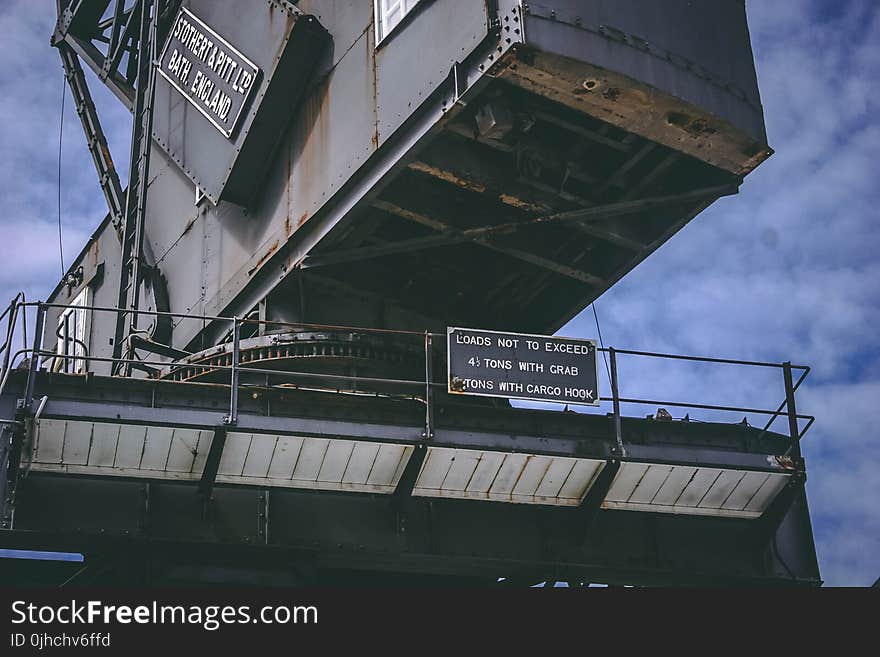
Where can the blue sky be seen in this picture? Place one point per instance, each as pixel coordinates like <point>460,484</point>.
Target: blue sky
<point>788,269</point>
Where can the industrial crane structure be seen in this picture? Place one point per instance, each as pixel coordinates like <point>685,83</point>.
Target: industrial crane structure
<point>255,371</point>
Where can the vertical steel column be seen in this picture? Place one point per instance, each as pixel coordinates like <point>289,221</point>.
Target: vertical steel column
<point>429,397</point>
<point>793,429</point>
<point>232,418</point>
<point>615,396</point>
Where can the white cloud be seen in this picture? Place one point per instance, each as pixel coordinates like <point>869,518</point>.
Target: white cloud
<point>789,269</point>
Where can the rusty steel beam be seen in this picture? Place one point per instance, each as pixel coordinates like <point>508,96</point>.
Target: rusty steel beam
<point>619,174</point>
<point>449,235</point>
<point>477,238</point>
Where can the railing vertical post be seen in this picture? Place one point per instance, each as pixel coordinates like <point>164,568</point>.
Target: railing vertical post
<point>429,397</point>
<point>66,339</point>
<point>35,355</point>
<point>615,396</point>
<point>7,347</point>
<point>793,430</point>
<point>232,418</point>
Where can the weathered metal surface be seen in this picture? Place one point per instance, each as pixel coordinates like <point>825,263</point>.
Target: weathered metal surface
<point>362,97</point>
<point>218,113</point>
<point>677,72</point>
<point>400,86</point>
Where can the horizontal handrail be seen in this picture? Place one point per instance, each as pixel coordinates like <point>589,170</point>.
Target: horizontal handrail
<point>39,357</point>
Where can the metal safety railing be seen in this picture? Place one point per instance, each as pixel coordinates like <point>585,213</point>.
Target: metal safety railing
<point>38,356</point>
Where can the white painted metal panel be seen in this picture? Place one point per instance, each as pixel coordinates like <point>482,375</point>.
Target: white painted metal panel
<point>363,456</point>
<point>235,452</point>
<point>95,448</point>
<point>507,476</point>
<point>256,463</point>
<point>518,478</point>
<point>745,490</point>
<point>50,441</point>
<point>485,472</point>
<point>582,476</point>
<point>202,449</point>
<point>130,448</point>
<point>555,477</point>
<point>77,440</point>
<point>437,463</point>
<point>650,483</point>
<point>698,487</point>
<point>335,461</point>
<point>464,464</point>
<point>156,448</point>
<point>104,439</point>
<point>285,457</point>
<point>389,464</point>
<point>682,510</point>
<point>700,491</point>
<point>767,492</point>
<point>532,474</point>
<point>184,444</point>
<point>674,485</point>
<point>626,480</point>
<point>721,489</point>
<point>311,456</point>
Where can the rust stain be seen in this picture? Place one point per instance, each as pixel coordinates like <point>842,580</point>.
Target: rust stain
<point>189,225</point>
<point>268,254</point>
<point>516,202</point>
<point>95,253</point>
<point>447,176</point>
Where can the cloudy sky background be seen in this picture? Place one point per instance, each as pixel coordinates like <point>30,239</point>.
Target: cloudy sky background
<point>787,270</point>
